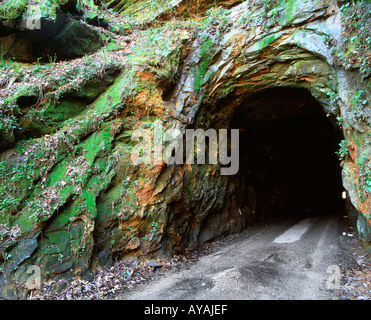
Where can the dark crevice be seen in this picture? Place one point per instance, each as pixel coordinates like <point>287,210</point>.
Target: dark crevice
<point>47,41</point>
<point>27,101</point>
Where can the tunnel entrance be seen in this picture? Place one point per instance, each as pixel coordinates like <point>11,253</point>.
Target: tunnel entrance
<point>288,168</point>
<point>288,161</point>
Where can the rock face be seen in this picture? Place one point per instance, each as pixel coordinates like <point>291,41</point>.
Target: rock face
<point>280,71</point>
<point>44,33</point>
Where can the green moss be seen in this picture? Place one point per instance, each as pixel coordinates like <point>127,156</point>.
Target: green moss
<point>15,182</point>
<point>112,98</point>
<point>61,183</point>
<point>289,11</point>
<point>163,60</point>
<point>90,205</point>
<point>72,210</point>
<point>61,219</point>
<point>206,55</point>
<point>142,11</point>
<point>61,238</point>
<point>64,110</point>
<point>97,143</point>
<point>263,43</point>
<point>113,47</point>
<point>58,174</point>
<point>268,40</point>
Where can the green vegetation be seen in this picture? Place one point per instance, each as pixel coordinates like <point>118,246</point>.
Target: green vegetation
<point>355,51</point>
<point>364,185</point>
<point>139,11</point>
<point>12,9</point>
<point>206,55</point>
<point>16,182</point>
<point>154,228</point>
<point>2,55</point>
<point>87,5</point>
<point>133,236</point>
<point>216,23</point>
<point>358,103</point>
<point>343,151</point>
<point>154,48</point>
<point>70,78</point>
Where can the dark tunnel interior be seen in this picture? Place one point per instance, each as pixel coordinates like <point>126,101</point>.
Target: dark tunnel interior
<point>288,161</point>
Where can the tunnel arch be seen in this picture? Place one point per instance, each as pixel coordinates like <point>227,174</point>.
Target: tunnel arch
<point>288,155</point>
<point>209,205</point>
<point>288,166</point>
<point>212,205</point>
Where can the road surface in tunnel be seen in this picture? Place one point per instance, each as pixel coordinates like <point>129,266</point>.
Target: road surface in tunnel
<point>290,260</point>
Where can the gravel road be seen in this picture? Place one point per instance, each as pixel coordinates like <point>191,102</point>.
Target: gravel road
<point>296,259</point>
